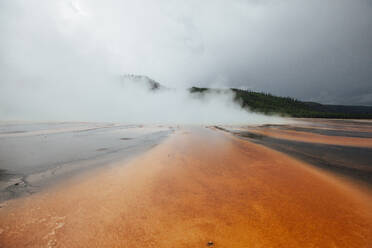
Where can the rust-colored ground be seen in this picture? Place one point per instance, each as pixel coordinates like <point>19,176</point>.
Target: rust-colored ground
<point>197,186</point>
<point>314,138</point>
<point>337,124</point>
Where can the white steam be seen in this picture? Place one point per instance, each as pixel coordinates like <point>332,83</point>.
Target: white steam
<point>61,60</point>
<point>115,100</point>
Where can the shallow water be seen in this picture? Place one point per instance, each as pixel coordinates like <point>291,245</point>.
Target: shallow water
<point>341,146</point>
<point>34,154</point>
<point>197,186</point>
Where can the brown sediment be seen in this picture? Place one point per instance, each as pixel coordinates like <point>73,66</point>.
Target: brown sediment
<point>196,187</point>
<point>313,137</point>
<point>336,124</point>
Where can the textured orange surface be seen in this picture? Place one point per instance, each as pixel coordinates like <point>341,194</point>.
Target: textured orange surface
<point>314,138</point>
<point>199,185</point>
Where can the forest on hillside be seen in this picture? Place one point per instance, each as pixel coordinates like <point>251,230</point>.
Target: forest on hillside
<point>286,106</point>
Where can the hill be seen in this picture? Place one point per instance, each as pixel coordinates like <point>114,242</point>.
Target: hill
<point>286,106</point>
<point>269,104</point>
<point>138,79</point>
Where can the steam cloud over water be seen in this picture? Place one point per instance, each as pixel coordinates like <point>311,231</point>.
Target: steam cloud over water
<point>127,101</point>
<point>61,60</point>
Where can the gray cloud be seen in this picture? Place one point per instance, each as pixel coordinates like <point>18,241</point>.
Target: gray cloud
<point>312,50</point>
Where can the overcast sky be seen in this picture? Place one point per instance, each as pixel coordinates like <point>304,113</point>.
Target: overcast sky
<point>319,50</point>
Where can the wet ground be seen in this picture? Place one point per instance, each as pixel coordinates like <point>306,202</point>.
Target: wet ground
<point>33,155</point>
<point>335,145</point>
<point>207,187</point>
